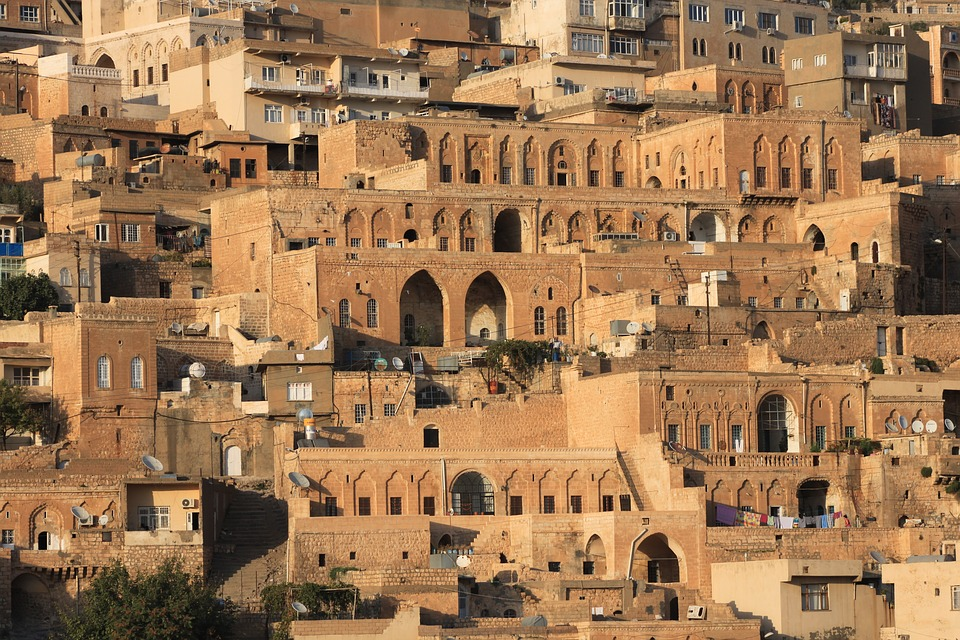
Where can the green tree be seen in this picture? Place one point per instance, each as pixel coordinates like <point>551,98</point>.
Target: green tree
<point>16,415</point>
<point>24,293</point>
<point>168,604</point>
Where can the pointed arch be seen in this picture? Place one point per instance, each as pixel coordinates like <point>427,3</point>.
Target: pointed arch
<point>748,230</point>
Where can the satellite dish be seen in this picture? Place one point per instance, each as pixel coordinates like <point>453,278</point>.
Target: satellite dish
<point>212,3</point>
<point>299,479</point>
<point>878,557</point>
<point>391,51</point>
<point>533,621</point>
<point>398,364</point>
<point>639,216</point>
<point>463,561</point>
<point>197,370</point>
<point>931,426</point>
<point>299,607</point>
<point>676,447</point>
<point>825,4</point>
<point>294,9</point>
<point>464,56</point>
<point>633,328</point>
<point>380,364</point>
<point>403,52</point>
<point>904,425</point>
<point>80,513</point>
<point>948,424</point>
<point>104,520</point>
<point>594,288</point>
<point>304,413</point>
<point>648,327</point>
<point>917,426</point>
<point>152,463</point>
<point>892,428</point>
<point>176,327</point>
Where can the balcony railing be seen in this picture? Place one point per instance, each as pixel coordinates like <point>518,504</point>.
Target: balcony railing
<point>251,83</point>
<point>951,73</point>
<point>99,73</point>
<point>867,71</point>
<point>374,91</point>
<point>626,23</point>
<point>764,459</point>
<point>954,102</point>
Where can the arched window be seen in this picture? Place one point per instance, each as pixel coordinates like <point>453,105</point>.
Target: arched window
<point>549,293</point>
<point>730,50</point>
<point>696,47</point>
<point>773,56</point>
<point>373,315</point>
<point>65,278</point>
<point>703,47</point>
<point>854,251</point>
<point>739,52</point>
<point>484,333</point>
<point>84,278</point>
<point>84,110</point>
<point>561,321</point>
<point>763,55</point>
<point>345,313</point>
<point>136,373</point>
<point>538,323</point>
<point>103,372</point>
<point>103,112</point>
<point>875,251</point>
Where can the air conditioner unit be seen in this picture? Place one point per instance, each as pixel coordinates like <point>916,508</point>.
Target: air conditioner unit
<point>558,81</point>
<point>89,521</point>
<point>738,26</point>
<point>696,612</point>
<point>771,31</point>
<point>670,236</point>
<point>189,503</point>
<point>284,58</point>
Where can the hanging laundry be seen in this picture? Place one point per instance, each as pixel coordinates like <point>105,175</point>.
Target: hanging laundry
<point>726,515</point>
<point>751,519</point>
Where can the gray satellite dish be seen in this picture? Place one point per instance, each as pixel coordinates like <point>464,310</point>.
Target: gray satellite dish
<point>904,423</point>
<point>648,327</point>
<point>464,56</point>
<point>304,413</point>
<point>878,557</point>
<point>633,328</point>
<point>398,364</point>
<point>639,216</point>
<point>152,463</point>
<point>594,288</point>
<point>299,479</point>
<point>403,52</point>
<point>948,424</point>
<point>463,561</point>
<point>299,607</point>
<point>104,520</point>
<point>533,621</point>
<point>80,513</point>
<point>931,426</point>
<point>892,428</point>
<point>294,9</point>
<point>917,426</point>
<point>391,51</point>
<point>176,327</point>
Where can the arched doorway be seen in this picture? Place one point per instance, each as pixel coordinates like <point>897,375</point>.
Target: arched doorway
<point>761,331</point>
<point>776,425</point>
<point>655,561</point>
<point>812,497</point>
<point>595,557</point>
<point>47,541</point>
<point>421,307</point>
<point>875,252</point>
<point>410,235</point>
<point>472,495</point>
<point>507,232</point>
<point>485,310</point>
<point>31,606</point>
<point>232,462</point>
<point>815,237</point>
<point>744,182</point>
<point>105,62</point>
<point>653,182</point>
<point>708,227</point>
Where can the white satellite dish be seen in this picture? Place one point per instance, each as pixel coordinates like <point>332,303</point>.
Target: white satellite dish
<point>633,328</point>
<point>152,463</point>
<point>299,479</point>
<point>299,607</point>
<point>80,513</point>
<point>197,370</point>
<point>391,51</point>
<point>931,426</point>
<point>104,520</point>
<point>304,413</point>
<point>294,9</point>
<point>398,364</point>
<point>639,216</point>
<point>878,557</point>
<point>892,428</point>
<point>176,327</point>
<point>948,424</point>
<point>403,52</point>
<point>904,424</point>
<point>917,426</point>
<point>463,561</point>
<point>648,327</point>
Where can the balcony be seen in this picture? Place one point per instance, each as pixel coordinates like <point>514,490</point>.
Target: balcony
<point>953,74</point>
<point>255,85</point>
<point>867,71</point>
<point>953,102</point>
<point>162,538</point>
<point>300,129</point>
<point>11,249</point>
<point>626,23</point>
<point>97,73</point>
<point>780,460</point>
<point>387,93</point>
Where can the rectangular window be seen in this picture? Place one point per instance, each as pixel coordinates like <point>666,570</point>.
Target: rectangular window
<point>618,179</point>
<point>586,8</point>
<point>429,506</point>
<point>803,25</point>
<point>778,302</point>
<point>29,14</point>
<point>26,376</point>
<point>593,179</point>
<point>796,64</point>
<point>272,113</point>
<point>506,175</point>
<point>606,503</point>
<point>164,72</point>
<point>549,504</point>
<point>576,504</point>
<point>302,115</point>
<point>673,433</point>
<point>446,173</point>
<point>6,537</point>
<point>570,89</point>
<point>381,243</point>
<point>268,74</point>
<point>516,505</point>
<point>849,432</point>
<point>136,77</point>
<point>626,8</point>
<point>234,167</point>
<point>587,42</point>
<point>3,12</point>
<point>330,242</point>
<point>149,75</point>
<point>196,293</point>
<point>786,181</point>
<point>166,289</point>
<point>153,518</point>
<point>396,506</point>
<point>814,597</point>
<point>657,158</point>
<point>732,16</point>
<point>767,21</point>
<point>820,60</point>
<point>356,243</point>
<point>736,437</point>
<point>250,168</point>
<point>299,392</point>
<point>530,175</point>
<point>699,13</point>
<point>130,233</point>
<point>655,299</point>
<point>801,303</point>
<point>940,181</point>
<point>682,301</point>
<point>444,243</point>
<point>716,177</point>
<point>102,232</point>
<point>389,410</point>
<point>670,391</point>
<point>832,179</point>
<point>706,437</point>
<point>806,178</point>
<point>820,436</point>
<point>363,506</point>
<point>955,597</point>
<point>798,102</point>
<point>470,244</point>
<point>761,177</point>
<point>752,301</point>
<point>359,413</point>
<point>623,45</point>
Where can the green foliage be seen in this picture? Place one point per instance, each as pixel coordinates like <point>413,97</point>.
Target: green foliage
<point>815,447</point>
<point>926,472</point>
<point>26,292</point>
<point>925,362</point>
<point>322,602</point>
<point>336,573</point>
<point>16,415</point>
<point>836,633</point>
<point>27,201</point>
<point>202,262</point>
<point>521,358</point>
<point>920,27</point>
<point>876,366</point>
<point>168,604</point>
<point>865,446</point>
<point>953,487</point>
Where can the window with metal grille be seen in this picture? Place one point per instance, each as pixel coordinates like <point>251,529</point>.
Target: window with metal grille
<point>136,373</point>
<point>530,175</point>
<point>506,175</point>
<point>786,179</point>
<point>470,244</point>
<point>576,504</point>
<point>814,597</point>
<point>373,315</point>
<point>561,321</point>
<point>363,506</point>
<point>396,506</point>
<point>103,372</point>
<point>736,436</point>
<point>330,506</point>
<point>444,244</point>
<point>429,506</point>
<point>7,536</point>
<point>706,437</point>
<point>330,242</point>
<point>618,179</point>
<point>606,503</point>
<point>539,324</point>
<point>801,303</point>
<point>446,173</point>
<point>345,313</point>
<point>389,410</point>
<point>593,179</point>
<point>26,376</point>
<point>299,391</point>
<point>820,436</point>
<point>849,432</point>
<point>778,303</point>
<point>625,503</point>
<point>832,179</point>
<point>130,233</point>
<point>761,177</point>
<point>806,178</point>
<point>549,504</point>
<point>516,505</point>
<point>673,433</point>
<point>359,413</point>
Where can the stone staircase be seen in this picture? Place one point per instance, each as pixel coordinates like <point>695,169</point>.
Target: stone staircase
<point>251,551</point>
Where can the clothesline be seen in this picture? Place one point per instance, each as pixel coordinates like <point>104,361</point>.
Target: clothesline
<point>733,517</point>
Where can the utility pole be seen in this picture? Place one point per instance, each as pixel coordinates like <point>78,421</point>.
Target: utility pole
<point>707,281</point>
<point>76,253</point>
